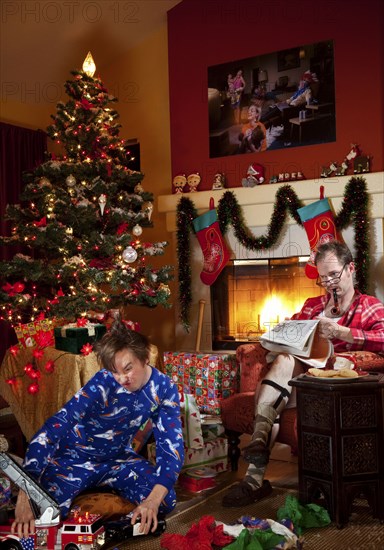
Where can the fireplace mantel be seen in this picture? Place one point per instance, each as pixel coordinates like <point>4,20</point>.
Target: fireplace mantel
<point>257,202</point>
<point>257,205</point>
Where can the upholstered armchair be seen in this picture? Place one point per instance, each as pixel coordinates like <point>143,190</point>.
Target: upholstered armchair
<point>237,411</point>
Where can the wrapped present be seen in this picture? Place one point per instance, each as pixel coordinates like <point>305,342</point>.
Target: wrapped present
<point>191,422</point>
<point>36,333</point>
<point>212,431</point>
<point>196,480</point>
<point>72,338</point>
<point>214,454</point>
<point>209,377</point>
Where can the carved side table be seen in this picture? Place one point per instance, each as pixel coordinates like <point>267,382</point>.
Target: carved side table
<point>341,443</point>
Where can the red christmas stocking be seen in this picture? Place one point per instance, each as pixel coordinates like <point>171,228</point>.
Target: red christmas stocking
<point>215,251</point>
<point>320,227</point>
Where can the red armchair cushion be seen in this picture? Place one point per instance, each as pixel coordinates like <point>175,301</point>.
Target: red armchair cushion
<point>367,360</point>
<point>253,367</point>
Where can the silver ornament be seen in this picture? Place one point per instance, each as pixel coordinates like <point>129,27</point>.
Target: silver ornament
<point>137,230</point>
<point>129,255</point>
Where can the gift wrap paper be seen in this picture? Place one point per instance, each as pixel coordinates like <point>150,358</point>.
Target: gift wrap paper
<point>27,333</point>
<point>209,377</point>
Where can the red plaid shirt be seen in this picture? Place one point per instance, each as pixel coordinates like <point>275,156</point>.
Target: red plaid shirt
<point>364,317</point>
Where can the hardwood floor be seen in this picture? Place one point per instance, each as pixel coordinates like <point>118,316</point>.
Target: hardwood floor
<point>281,472</point>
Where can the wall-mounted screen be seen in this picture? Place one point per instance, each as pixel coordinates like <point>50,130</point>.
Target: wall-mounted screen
<point>275,101</point>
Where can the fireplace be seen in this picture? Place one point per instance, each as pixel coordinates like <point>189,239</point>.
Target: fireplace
<point>251,295</point>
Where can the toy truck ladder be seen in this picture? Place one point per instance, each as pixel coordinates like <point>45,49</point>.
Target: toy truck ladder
<point>42,503</point>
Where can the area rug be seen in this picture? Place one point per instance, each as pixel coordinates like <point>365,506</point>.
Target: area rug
<point>362,532</point>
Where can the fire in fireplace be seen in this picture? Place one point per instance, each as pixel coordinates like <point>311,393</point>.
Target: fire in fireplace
<point>251,295</point>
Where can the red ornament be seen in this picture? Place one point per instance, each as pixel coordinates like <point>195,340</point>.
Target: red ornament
<point>11,381</point>
<point>123,227</point>
<point>41,223</point>
<point>13,289</point>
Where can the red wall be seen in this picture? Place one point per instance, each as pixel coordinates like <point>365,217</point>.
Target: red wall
<point>204,33</point>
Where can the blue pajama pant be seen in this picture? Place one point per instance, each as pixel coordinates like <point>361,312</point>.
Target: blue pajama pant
<point>132,477</point>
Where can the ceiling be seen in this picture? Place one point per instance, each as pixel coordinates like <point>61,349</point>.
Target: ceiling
<point>41,42</point>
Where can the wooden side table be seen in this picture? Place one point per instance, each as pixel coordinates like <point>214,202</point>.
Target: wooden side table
<point>309,121</point>
<point>341,443</point>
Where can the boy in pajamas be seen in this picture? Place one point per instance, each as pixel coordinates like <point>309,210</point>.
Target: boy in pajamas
<point>88,443</point>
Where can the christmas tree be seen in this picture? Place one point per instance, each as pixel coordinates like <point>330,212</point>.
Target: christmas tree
<point>80,220</point>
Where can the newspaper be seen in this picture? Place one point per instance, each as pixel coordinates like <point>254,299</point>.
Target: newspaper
<point>299,338</point>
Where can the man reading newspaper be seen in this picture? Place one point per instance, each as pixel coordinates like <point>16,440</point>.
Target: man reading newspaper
<point>348,320</point>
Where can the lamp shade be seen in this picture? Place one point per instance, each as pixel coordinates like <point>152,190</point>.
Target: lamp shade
<point>263,75</point>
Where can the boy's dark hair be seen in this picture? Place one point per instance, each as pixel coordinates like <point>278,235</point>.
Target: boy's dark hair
<point>121,337</point>
<point>340,250</point>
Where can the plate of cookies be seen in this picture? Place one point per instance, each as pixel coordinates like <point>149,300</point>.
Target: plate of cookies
<point>336,375</point>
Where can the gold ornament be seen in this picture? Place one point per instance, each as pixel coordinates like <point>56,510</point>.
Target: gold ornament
<point>44,182</point>
<point>70,180</point>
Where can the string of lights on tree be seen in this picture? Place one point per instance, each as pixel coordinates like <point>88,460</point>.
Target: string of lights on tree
<point>80,220</point>
<point>354,210</point>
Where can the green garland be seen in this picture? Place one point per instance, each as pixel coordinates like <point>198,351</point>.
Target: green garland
<point>354,209</point>
<point>186,213</point>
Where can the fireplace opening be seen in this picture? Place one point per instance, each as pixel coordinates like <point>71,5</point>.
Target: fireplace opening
<point>250,296</point>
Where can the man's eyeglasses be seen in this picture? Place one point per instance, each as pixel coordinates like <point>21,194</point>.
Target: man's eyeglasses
<point>332,280</point>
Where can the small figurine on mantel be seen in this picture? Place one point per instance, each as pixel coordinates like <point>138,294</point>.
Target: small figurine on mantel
<point>255,175</point>
<point>340,170</point>
<point>361,164</point>
<point>218,181</point>
<point>193,181</point>
<point>179,182</point>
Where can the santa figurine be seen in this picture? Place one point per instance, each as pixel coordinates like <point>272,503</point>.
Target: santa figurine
<point>255,175</point>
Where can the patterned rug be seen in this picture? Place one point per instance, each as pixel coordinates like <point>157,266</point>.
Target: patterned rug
<point>362,532</point>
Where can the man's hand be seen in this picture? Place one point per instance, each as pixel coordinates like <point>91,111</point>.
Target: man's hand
<point>24,524</point>
<point>330,330</point>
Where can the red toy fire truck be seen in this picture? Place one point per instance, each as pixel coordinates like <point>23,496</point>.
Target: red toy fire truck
<point>79,532</point>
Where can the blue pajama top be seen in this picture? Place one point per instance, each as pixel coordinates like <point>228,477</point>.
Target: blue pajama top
<point>98,425</point>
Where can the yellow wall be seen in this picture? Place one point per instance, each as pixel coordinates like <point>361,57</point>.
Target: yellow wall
<point>140,82</point>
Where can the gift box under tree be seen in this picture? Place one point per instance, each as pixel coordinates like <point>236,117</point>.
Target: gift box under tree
<point>72,338</point>
<point>209,377</point>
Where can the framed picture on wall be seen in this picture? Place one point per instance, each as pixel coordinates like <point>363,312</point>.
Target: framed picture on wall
<point>284,99</point>
<point>288,59</point>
